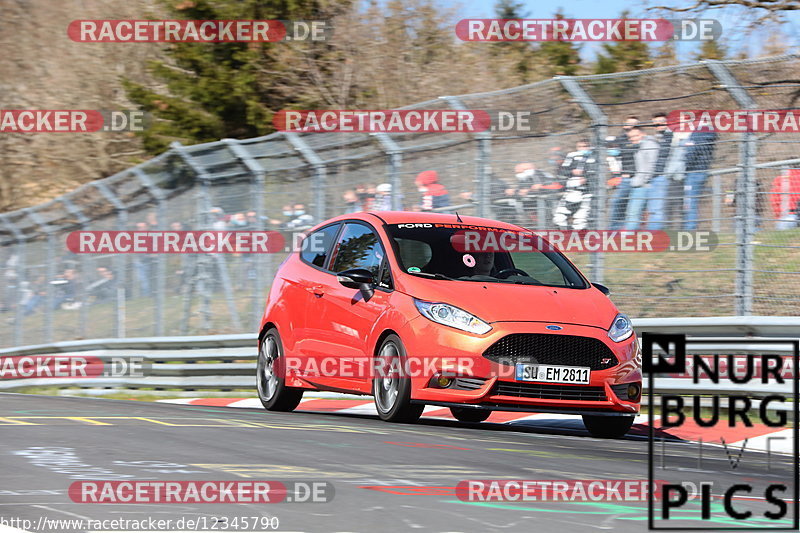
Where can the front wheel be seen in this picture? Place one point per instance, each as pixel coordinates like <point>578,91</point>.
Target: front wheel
<point>607,427</point>
<point>463,414</point>
<point>391,387</point>
<point>272,389</point>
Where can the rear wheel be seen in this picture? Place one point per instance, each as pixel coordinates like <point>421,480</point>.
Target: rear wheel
<point>464,414</point>
<point>272,389</point>
<point>607,427</point>
<point>391,388</point>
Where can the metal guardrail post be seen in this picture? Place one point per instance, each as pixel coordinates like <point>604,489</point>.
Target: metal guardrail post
<point>395,155</point>
<point>84,221</point>
<point>745,193</point>
<point>19,316</point>
<point>204,208</point>
<point>483,162</point>
<point>257,186</point>
<point>320,172</point>
<point>50,269</point>
<point>161,265</point>
<point>599,198</point>
<point>120,260</point>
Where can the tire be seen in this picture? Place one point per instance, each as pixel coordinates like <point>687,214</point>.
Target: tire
<point>272,390</point>
<point>393,393</point>
<point>607,427</point>
<point>464,414</point>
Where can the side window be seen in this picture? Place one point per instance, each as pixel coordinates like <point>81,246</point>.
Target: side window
<point>358,247</point>
<point>317,245</point>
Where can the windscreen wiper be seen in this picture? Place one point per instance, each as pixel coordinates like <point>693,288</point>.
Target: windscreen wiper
<point>431,275</point>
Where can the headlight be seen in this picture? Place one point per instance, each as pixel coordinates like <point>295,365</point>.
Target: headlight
<point>452,316</point>
<point>620,329</point>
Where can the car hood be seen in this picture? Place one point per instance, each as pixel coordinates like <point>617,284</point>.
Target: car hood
<point>499,302</point>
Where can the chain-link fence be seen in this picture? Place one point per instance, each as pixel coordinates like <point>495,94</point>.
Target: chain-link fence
<point>742,188</point>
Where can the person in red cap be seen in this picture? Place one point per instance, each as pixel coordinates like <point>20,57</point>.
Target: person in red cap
<point>434,194</point>
<point>785,199</point>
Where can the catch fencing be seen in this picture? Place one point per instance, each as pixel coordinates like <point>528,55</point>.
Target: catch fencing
<point>291,181</point>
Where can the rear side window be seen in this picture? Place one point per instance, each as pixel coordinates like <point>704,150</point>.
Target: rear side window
<point>358,247</point>
<point>316,246</point>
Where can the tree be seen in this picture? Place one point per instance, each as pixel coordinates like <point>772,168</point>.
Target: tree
<point>521,54</point>
<point>666,55</point>
<point>623,56</point>
<point>207,91</point>
<point>561,58</point>
<point>713,49</point>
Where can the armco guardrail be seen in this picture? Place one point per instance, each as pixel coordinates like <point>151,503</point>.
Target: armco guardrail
<point>228,361</point>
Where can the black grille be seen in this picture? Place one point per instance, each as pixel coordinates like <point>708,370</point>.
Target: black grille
<point>469,383</point>
<point>550,392</point>
<point>546,349</point>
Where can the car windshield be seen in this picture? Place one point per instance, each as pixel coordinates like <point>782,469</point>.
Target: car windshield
<point>428,250</point>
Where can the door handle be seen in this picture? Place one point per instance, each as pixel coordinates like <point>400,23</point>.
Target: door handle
<point>316,291</point>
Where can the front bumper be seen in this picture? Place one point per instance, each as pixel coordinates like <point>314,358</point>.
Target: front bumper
<point>456,353</point>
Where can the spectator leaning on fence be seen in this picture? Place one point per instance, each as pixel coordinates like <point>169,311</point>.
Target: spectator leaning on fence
<point>698,159</point>
<point>576,200</point>
<point>434,194</point>
<point>645,157</point>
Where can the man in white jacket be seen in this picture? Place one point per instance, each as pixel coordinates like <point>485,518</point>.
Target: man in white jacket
<point>645,157</point>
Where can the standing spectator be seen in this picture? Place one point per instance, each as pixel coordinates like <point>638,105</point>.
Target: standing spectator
<point>68,285</point>
<point>785,199</point>
<point>506,205</point>
<point>646,156</point>
<point>219,221</point>
<point>301,220</point>
<point>660,182</point>
<point>363,197</point>
<point>576,200</point>
<point>102,289</point>
<point>434,194</point>
<point>178,263</point>
<point>351,203</point>
<point>238,221</point>
<point>675,171</point>
<point>252,220</point>
<point>143,266</point>
<point>698,158</point>
<point>627,151</point>
<point>32,295</point>
<point>535,188</point>
<point>383,198</point>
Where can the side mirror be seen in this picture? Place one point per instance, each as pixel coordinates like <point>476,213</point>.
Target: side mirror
<point>602,288</point>
<point>357,278</point>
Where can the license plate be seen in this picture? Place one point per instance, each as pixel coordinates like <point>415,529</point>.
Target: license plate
<point>553,374</point>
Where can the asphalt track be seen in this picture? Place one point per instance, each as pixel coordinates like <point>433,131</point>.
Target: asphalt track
<point>387,477</point>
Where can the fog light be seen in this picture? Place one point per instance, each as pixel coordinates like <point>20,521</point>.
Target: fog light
<point>444,381</point>
<point>633,391</point>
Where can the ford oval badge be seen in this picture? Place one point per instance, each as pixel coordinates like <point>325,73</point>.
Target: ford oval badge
<point>553,327</point>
